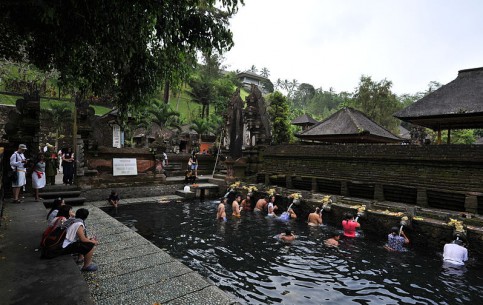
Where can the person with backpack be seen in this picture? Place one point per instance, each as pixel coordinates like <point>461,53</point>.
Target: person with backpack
<point>76,240</point>
<point>53,236</point>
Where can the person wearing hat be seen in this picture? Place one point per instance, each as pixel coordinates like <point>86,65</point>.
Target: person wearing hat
<point>454,253</point>
<point>18,163</point>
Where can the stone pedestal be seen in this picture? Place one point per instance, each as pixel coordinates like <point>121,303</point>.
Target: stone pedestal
<point>344,190</point>
<point>471,203</point>
<point>422,198</point>
<point>379,192</point>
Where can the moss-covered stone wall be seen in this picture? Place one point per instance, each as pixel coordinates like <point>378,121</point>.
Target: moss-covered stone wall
<point>438,176</point>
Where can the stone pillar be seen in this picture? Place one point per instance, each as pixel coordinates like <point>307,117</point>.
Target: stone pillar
<point>288,181</point>
<point>379,192</point>
<point>422,198</point>
<point>344,190</point>
<point>471,203</point>
<point>314,185</point>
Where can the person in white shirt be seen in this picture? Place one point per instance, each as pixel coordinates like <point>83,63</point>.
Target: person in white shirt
<point>76,240</point>
<point>18,163</point>
<point>455,253</point>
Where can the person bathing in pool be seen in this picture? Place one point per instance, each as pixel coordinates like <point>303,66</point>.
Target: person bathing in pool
<point>221,214</point>
<point>236,206</point>
<point>288,236</point>
<point>315,218</point>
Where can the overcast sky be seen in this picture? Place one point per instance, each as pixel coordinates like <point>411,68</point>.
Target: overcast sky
<point>332,43</point>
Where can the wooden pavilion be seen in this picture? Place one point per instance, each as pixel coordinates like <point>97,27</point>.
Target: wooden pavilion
<point>305,121</point>
<point>348,126</point>
<point>456,105</point>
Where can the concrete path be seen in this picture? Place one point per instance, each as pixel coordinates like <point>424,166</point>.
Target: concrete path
<point>27,279</point>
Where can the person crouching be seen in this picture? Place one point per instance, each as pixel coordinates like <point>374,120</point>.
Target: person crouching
<point>76,240</point>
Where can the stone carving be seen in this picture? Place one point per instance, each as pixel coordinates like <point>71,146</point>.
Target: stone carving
<point>234,119</point>
<point>257,119</point>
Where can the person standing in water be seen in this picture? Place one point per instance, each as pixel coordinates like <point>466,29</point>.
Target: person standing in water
<point>333,241</point>
<point>246,204</point>
<point>350,225</point>
<point>272,207</point>
<point>261,204</point>
<point>396,240</point>
<point>287,236</point>
<point>236,206</point>
<point>220,213</point>
<point>454,253</point>
<point>315,218</point>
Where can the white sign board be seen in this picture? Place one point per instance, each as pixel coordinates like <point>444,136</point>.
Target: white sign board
<point>124,167</point>
<point>116,136</point>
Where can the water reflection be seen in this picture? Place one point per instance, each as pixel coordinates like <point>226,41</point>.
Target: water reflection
<point>242,257</point>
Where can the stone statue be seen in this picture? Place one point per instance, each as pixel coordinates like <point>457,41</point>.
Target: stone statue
<point>257,119</point>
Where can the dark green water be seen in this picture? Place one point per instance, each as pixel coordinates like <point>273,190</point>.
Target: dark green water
<point>243,258</point>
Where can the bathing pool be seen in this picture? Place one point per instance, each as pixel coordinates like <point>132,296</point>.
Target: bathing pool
<point>243,258</point>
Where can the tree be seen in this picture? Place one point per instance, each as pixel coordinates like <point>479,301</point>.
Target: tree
<point>303,94</point>
<point>253,69</point>
<point>126,49</point>
<point>265,72</point>
<point>378,102</point>
<point>58,114</point>
<point>268,85</point>
<point>201,126</point>
<point>279,112</point>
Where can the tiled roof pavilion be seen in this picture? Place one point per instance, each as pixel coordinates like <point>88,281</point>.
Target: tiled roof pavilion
<point>348,126</point>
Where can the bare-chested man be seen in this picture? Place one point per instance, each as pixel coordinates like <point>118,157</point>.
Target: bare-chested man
<point>236,206</point>
<point>221,214</point>
<point>261,204</point>
<point>315,218</point>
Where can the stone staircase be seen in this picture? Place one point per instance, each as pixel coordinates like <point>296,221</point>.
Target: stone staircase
<point>70,194</point>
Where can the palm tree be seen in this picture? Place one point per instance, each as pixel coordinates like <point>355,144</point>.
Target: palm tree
<point>265,72</point>
<point>58,114</point>
<point>162,115</point>
<point>201,126</point>
<point>253,69</point>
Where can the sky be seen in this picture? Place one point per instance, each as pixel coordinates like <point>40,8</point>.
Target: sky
<point>331,43</point>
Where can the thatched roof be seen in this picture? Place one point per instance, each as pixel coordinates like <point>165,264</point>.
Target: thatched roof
<point>456,105</point>
<point>304,119</point>
<point>348,126</point>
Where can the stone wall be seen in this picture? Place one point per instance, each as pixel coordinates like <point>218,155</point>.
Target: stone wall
<point>439,176</point>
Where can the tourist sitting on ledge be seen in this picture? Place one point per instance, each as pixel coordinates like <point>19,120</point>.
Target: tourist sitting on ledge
<point>76,240</point>
<point>333,241</point>
<point>113,199</point>
<point>349,225</point>
<point>58,202</point>
<point>396,240</point>
<point>287,236</point>
<point>315,218</point>
<point>455,253</point>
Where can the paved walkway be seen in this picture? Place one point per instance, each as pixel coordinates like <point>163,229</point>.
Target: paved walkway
<point>27,279</point>
<point>131,269</point>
